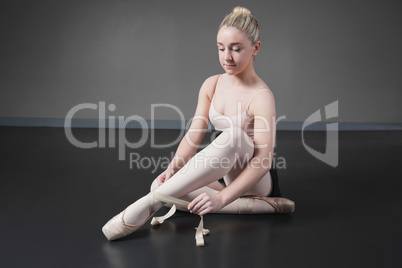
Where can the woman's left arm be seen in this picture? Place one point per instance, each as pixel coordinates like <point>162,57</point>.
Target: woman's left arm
<point>264,141</point>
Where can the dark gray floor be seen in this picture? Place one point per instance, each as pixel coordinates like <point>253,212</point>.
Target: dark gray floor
<point>55,197</point>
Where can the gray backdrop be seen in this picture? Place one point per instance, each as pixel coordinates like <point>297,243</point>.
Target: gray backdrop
<point>58,54</point>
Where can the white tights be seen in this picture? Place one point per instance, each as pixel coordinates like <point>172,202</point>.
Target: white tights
<point>201,173</point>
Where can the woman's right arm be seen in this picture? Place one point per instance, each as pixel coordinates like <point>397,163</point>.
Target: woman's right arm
<point>196,133</point>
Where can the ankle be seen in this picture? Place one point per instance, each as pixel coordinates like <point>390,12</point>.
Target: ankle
<point>153,204</point>
<point>141,210</point>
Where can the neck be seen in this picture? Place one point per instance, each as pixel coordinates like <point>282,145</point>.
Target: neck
<point>245,78</point>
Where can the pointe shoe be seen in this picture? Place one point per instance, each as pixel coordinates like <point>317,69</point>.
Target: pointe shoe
<point>116,228</point>
<point>280,204</point>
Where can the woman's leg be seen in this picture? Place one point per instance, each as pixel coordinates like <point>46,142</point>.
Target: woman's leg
<point>259,206</point>
<point>206,167</point>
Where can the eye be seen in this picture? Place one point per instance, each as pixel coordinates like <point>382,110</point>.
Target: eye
<point>221,49</point>
<point>236,50</point>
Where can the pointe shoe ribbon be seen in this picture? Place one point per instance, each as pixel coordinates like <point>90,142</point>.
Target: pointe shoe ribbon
<point>200,231</point>
<point>161,219</point>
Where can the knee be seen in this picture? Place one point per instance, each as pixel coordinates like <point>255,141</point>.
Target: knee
<point>234,133</point>
<point>237,134</point>
<point>154,185</point>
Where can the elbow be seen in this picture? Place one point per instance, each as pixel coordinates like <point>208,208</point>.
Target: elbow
<point>263,163</point>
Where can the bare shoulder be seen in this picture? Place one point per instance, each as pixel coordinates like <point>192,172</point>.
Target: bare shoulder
<point>205,96</point>
<point>263,103</point>
<point>208,87</point>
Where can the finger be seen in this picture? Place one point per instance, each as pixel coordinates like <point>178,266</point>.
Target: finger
<point>205,211</point>
<point>195,201</point>
<point>160,180</point>
<point>200,206</point>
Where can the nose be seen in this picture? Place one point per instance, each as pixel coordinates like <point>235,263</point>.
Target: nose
<point>228,55</point>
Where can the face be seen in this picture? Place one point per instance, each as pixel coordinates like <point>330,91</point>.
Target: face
<point>236,52</point>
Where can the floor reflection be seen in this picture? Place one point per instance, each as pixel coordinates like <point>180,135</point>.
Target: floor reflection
<point>173,242</point>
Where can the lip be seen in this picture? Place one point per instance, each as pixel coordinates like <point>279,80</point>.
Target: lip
<point>230,65</point>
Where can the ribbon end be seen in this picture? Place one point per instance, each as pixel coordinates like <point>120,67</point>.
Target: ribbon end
<point>155,221</point>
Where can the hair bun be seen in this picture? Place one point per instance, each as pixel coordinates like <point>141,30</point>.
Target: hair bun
<point>241,18</point>
<point>242,10</point>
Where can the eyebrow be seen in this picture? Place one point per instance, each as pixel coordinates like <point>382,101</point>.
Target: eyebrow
<point>232,44</point>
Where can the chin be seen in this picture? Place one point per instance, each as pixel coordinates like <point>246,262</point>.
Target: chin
<point>229,69</point>
<point>231,72</point>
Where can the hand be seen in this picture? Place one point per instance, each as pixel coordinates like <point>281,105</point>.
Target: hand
<point>205,203</point>
<point>164,176</point>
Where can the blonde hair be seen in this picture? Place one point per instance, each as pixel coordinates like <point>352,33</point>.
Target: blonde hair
<point>242,19</point>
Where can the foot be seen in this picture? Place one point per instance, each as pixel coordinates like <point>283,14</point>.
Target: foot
<point>281,205</point>
<point>117,227</point>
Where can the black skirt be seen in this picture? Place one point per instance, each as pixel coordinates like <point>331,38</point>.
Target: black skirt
<point>275,192</point>
<point>275,183</point>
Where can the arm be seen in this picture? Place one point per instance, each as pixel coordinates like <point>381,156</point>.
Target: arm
<point>196,133</point>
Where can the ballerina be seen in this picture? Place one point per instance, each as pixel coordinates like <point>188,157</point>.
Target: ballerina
<point>242,153</point>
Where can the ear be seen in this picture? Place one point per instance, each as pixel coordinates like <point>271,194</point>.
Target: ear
<point>256,48</point>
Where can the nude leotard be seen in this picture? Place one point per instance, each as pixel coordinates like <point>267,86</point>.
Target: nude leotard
<point>242,119</point>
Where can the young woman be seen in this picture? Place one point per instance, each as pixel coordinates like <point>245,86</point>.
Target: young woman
<point>239,104</point>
